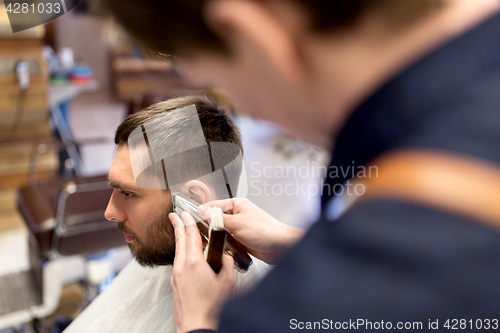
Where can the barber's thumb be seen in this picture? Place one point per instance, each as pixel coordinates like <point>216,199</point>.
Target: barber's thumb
<point>204,211</point>
<point>227,269</point>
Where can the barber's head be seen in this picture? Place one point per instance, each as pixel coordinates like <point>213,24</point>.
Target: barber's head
<point>288,61</point>
<point>142,211</point>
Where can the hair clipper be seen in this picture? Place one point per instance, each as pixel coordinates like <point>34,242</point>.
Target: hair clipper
<point>235,249</point>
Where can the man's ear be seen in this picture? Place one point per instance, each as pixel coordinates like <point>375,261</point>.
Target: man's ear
<point>253,24</point>
<point>196,190</point>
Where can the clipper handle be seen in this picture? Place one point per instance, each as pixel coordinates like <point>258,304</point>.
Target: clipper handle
<point>216,245</point>
<point>242,260</point>
<point>235,249</point>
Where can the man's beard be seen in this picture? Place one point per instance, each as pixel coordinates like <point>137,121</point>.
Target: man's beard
<point>157,248</point>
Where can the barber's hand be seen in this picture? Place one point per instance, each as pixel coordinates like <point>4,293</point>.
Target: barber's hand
<point>198,292</point>
<point>264,237</point>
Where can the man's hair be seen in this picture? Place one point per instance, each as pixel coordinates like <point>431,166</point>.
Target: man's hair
<point>172,129</point>
<point>178,26</point>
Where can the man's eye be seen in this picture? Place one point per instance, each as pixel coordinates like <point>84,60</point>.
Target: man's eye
<point>128,195</point>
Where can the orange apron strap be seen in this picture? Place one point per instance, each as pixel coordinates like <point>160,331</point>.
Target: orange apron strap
<point>458,184</point>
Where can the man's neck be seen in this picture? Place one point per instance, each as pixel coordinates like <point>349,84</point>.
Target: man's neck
<point>353,66</point>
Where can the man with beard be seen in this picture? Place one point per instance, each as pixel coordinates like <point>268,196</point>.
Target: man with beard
<point>140,298</point>
<point>408,85</point>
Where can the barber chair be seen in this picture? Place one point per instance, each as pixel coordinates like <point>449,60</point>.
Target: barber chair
<point>67,217</point>
<point>30,294</point>
<point>64,217</point>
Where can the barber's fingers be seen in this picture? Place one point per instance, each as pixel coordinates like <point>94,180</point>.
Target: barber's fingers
<point>226,277</point>
<point>231,222</point>
<point>226,205</point>
<point>194,246</point>
<point>180,237</point>
<point>227,270</point>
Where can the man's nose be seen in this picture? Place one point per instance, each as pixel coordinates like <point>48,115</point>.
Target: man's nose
<point>113,211</point>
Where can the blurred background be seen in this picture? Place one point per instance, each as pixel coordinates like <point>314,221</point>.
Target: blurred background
<point>64,88</point>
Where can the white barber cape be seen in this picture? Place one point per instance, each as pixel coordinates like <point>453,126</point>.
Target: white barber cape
<point>140,300</point>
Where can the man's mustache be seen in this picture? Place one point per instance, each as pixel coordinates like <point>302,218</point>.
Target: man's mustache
<point>127,231</point>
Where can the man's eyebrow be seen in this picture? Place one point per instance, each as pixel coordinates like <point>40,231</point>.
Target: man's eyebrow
<point>121,186</point>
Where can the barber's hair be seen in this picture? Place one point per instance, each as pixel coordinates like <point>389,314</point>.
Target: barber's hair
<point>175,132</point>
<point>178,26</point>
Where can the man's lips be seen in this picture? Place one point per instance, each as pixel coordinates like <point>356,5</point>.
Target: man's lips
<point>129,239</point>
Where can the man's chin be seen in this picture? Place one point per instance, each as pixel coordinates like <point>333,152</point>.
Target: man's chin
<point>150,259</point>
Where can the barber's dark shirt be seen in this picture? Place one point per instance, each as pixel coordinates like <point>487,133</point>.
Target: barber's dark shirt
<point>390,260</point>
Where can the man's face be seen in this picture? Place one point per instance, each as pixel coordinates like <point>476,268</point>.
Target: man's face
<point>269,72</point>
<point>253,86</point>
<point>242,80</point>
<point>142,214</point>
